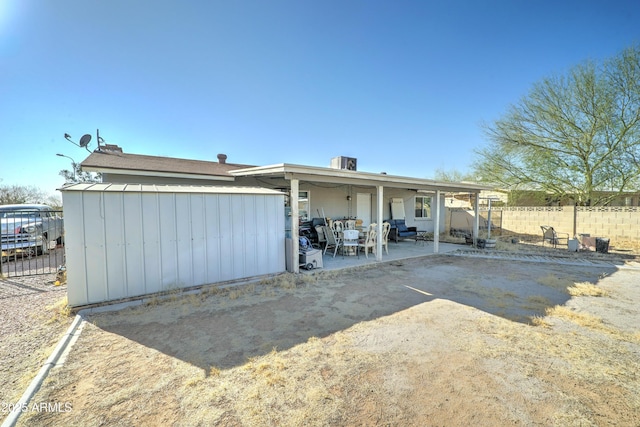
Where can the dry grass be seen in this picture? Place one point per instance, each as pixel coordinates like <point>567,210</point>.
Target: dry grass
<point>553,281</point>
<point>586,289</point>
<point>582,319</point>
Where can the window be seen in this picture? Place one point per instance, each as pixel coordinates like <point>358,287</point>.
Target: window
<point>303,205</point>
<point>423,207</point>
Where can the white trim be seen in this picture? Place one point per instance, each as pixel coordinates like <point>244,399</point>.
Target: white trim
<point>136,172</point>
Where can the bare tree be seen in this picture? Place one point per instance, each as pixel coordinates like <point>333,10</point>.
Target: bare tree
<point>19,194</point>
<point>575,135</point>
<point>453,175</point>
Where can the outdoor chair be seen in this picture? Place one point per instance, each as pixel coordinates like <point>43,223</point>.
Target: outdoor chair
<point>369,241</point>
<point>386,227</point>
<point>333,240</point>
<point>350,242</point>
<point>551,236</point>
<point>322,240</point>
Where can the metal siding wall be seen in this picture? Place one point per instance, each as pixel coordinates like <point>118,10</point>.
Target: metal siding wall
<point>237,230</point>
<point>95,248</point>
<point>141,243</point>
<point>213,261</point>
<point>168,240</point>
<point>116,256</point>
<point>183,234</point>
<point>152,251</point>
<point>273,235</point>
<point>226,232</point>
<point>251,241</point>
<point>134,259</point>
<point>198,239</point>
<point>75,248</point>
<point>261,229</point>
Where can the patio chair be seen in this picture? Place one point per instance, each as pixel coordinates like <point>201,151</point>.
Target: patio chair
<point>370,240</point>
<point>386,227</point>
<point>350,224</point>
<point>322,240</point>
<point>333,240</point>
<point>350,242</point>
<point>550,235</point>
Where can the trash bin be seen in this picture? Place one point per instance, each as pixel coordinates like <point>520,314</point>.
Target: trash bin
<point>602,245</point>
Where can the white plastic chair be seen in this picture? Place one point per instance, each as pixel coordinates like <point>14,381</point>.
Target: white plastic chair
<point>350,240</point>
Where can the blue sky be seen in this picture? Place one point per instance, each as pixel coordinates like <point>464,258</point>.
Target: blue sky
<point>403,86</point>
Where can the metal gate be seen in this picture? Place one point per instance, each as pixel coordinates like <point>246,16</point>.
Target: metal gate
<point>32,240</point>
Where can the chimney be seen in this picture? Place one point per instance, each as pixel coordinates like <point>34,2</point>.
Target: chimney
<point>222,159</point>
<point>111,148</point>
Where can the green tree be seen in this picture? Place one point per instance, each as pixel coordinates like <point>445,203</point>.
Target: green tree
<point>78,175</point>
<point>575,135</point>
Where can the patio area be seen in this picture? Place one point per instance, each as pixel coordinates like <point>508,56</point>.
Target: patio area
<point>404,249</point>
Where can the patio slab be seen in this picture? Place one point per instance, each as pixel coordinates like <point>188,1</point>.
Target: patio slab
<point>404,249</point>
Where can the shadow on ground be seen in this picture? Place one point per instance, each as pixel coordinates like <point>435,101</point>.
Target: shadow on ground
<point>223,330</point>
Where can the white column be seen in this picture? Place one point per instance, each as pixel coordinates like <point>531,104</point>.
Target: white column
<point>476,221</point>
<point>436,225</point>
<point>380,189</point>
<point>295,225</point>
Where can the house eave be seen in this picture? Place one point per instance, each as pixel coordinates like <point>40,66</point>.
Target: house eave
<point>319,174</point>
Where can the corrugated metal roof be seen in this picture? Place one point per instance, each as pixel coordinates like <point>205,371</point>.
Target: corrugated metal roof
<point>153,188</point>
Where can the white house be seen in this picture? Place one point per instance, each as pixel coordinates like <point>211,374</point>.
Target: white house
<point>304,192</point>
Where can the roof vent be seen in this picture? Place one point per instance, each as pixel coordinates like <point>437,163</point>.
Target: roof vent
<point>347,163</point>
<point>222,159</point>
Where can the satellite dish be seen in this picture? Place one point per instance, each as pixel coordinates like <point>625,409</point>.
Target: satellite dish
<point>84,141</point>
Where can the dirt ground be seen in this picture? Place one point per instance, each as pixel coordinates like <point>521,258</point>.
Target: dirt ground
<point>434,341</point>
<point>32,321</point>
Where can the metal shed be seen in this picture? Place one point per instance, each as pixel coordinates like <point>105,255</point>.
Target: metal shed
<point>129,240</point>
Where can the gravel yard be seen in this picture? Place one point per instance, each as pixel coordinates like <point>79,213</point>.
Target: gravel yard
<point>32,320</point>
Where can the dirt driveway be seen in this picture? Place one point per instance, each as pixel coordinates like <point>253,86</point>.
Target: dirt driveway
<point>434,341</point>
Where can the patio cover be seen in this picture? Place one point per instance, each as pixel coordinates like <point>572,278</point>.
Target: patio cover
<point>296,173</point>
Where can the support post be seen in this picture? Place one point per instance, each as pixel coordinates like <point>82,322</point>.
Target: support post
<point>476,221</point>
<point>436,225</point>
<point>380,191</point>
<point>295,225</point>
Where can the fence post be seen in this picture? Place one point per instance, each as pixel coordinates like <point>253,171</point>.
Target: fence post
<point>575,219</point>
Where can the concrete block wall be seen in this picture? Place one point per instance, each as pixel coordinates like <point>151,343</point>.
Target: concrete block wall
<point>621,224</point>
<point>527,220</point>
